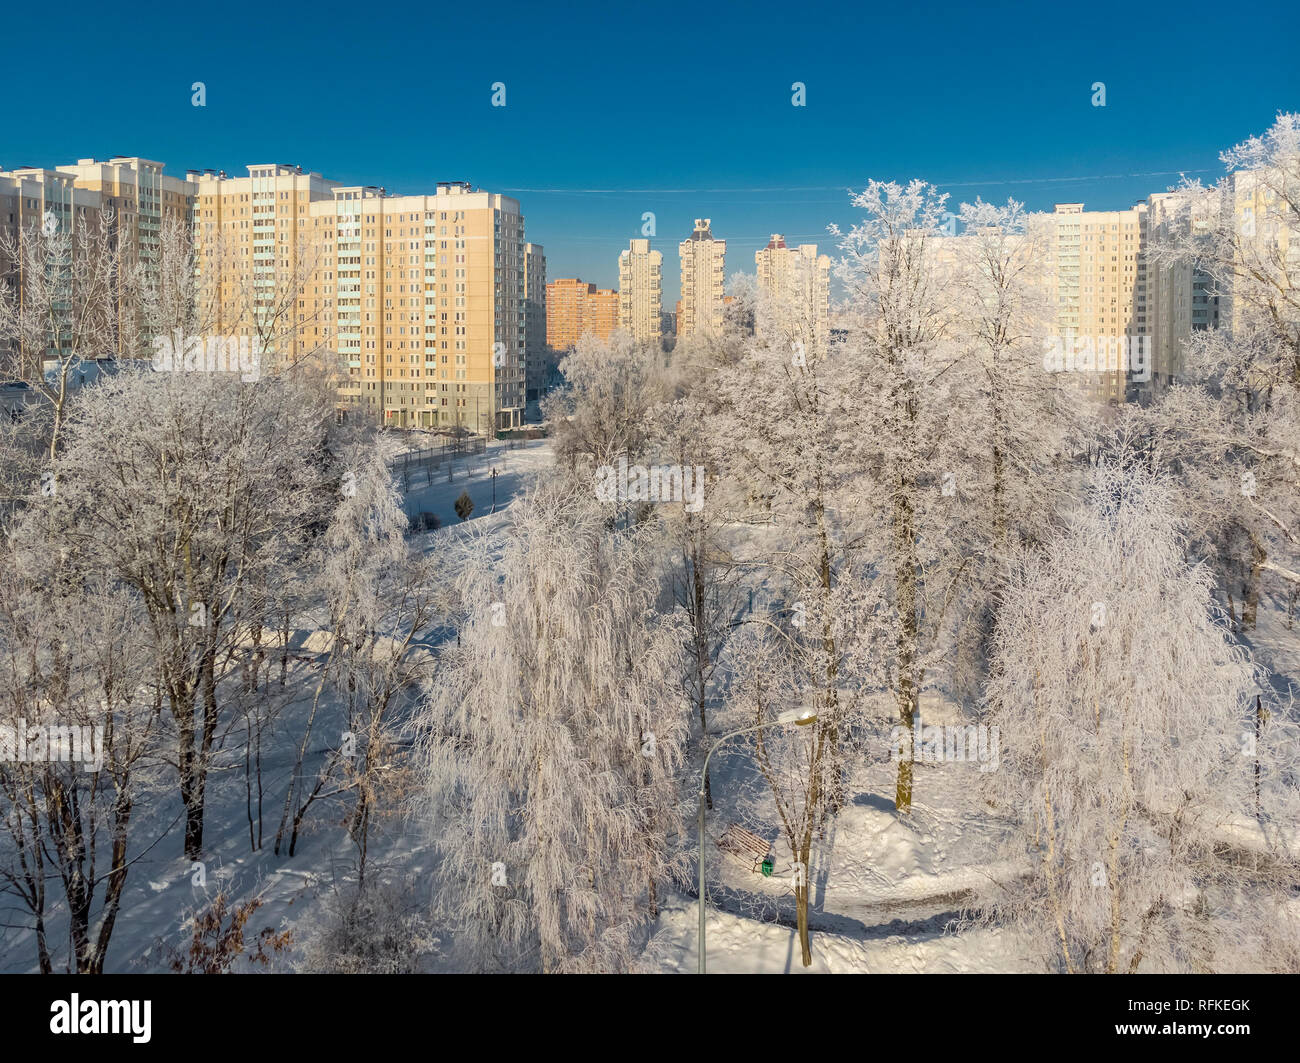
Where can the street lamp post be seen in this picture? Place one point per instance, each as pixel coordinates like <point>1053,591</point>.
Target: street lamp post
<point>794,716</point>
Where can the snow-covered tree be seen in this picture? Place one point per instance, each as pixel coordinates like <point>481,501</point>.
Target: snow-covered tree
<point>78,763</point>
<point>802,766</point>
<point>552,735</point>
<point>1009,467</point>
<point>603,410</point>
<point>60,309</point>
<point>1132,747</point>
<point>696,356</point>
<point>377,594</point>
<point>1233,421</point>
<point>782,426</point>
<point>903,362</point>
<point>1005,318</point>
<point>192,489</point>
<point>699,569</point>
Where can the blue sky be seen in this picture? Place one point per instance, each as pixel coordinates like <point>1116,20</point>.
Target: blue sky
<point>683,109</point>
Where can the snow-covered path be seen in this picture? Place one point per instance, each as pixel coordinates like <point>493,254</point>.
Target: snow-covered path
<point>737,945</point>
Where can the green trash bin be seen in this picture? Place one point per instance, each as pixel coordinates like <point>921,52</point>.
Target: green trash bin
<point>767,866</point>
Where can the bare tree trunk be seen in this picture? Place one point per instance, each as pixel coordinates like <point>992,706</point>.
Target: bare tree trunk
<point>207,736</point>
<point>248,780</point>
<point>908,632</point>
<point>801,907</point>
<point>701,651</point>
<point>295,780</point>
<point>187,761</point>
<point>801,901</point>
<point>115,886</point>
<point>999,472</point>
<point>834,793</point>
<point>43,948</point>
<point>257,759</point>
<point>1250,592</point>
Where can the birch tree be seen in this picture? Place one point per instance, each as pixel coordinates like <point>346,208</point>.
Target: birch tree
<point>1134,746</point>
<point>1005,317</point>
<point>899,311</point>
<point>1010,472</point>
<point>603,411</point>
<point>785,415</point>
<point>798,764</point>
<point>553,732</point>
<point>699,564</point>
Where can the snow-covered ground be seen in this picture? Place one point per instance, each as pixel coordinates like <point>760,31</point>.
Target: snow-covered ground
<point>737,945</point>
<point>164,890</point>
<point>887,891</point>
<point>517,464</point>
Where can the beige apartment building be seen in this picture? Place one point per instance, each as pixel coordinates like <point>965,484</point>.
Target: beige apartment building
<point>136,191</point>
<point>421,296</point>
<point>141,197</point>
<point>28,196</point>
<point>797,282</point>
<point>32,198</point>
<point>1268,234</point>
<point>1097,263</point>
<point>1110,286</point>
<point>259,241</point>
<point>1180,298</point>
<point>1113,329</point>
<point>136,195</point>
<point>703,259</point>
<point>640,291</point>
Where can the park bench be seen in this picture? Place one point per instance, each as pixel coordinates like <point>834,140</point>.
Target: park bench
<point>748,847</point>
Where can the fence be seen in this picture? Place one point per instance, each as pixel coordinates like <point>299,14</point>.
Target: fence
<point>532,432</point>
<point>414,463</point>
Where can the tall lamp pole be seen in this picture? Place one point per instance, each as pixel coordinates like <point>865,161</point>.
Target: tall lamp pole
<point>798,717</point>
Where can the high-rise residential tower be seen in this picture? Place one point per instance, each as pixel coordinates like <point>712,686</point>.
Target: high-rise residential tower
<point>1098,266</point>
<point>703,259</point>
<point>130,196</point>
<point>602,312</point>
<point>796,281</point>
<point>422,296</point>
<point>141,197</point>
<point>566,312</point>
<point>640,291</point>
<point>537,361</point>
<point>575,308</point>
